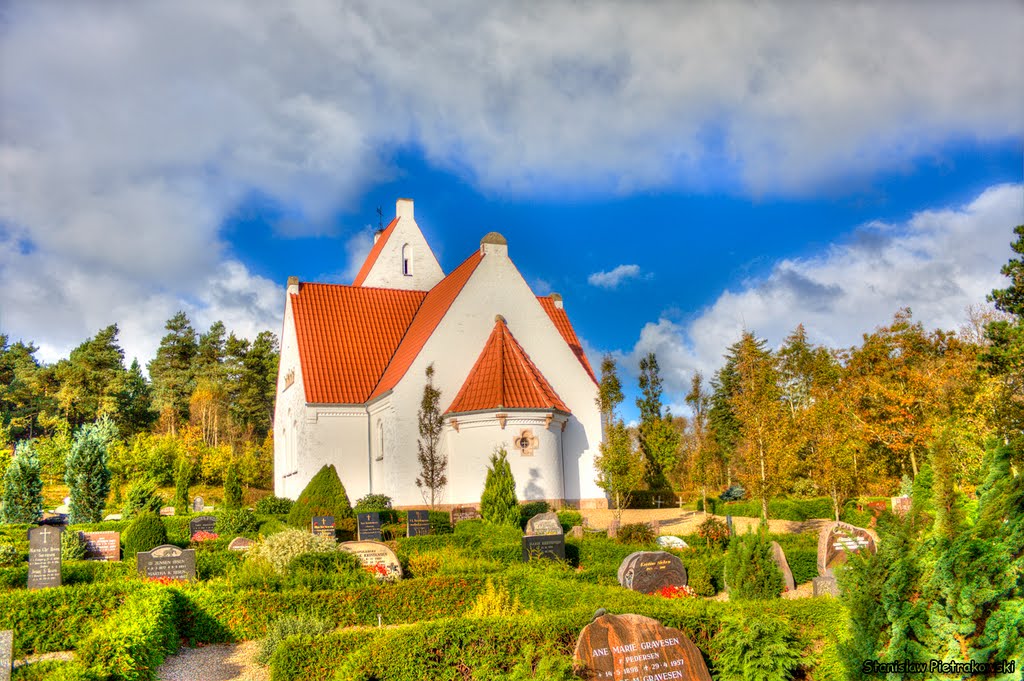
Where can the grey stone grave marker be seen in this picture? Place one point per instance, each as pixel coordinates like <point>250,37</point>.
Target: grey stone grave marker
<point>460,513</point>
<point>203,523</point>
<point>543,524</point>
<point>368,525</point>
<point>6,654</point>
<point>44,557</point>
<point>323,526</point>
<point>651,571</point>
<point>779,556</point>
<point>417,523</point>
<point>198,505</point>
<point>240,544</point>
<point>544,546</point>
<point>168,561</point>
<point>371,553</point>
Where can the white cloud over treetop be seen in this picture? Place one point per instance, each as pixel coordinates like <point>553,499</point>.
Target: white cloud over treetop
<point>613,277</point>
<point>937,263</point>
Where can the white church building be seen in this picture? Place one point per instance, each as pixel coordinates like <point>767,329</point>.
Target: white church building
<point>508,363</point>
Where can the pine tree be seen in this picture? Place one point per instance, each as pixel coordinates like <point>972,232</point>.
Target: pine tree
<point>433,463</point>
<point>750,571</point>
<point>704,467</point>
<point>324,495</point>
<point>255,382</point>
<point>134,403</point>
<point>171,370</point>
<point>498,503</point>
<point>23,488</point>
<point>90,378</point>
<point>142,498</point>
<point>86,474</point>
<point>232,488</point>
<point>182,482</point>
<point>659,440</point>
<point>1004,356</point>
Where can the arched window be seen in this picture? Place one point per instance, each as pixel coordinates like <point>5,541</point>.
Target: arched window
<point>407,260</point>
<point>380,440</point>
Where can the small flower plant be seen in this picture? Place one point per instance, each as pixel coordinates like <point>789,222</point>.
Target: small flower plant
<point>677,592</point>
<point>202,536</point>
<point>381,573</point>
<point>162,581</point>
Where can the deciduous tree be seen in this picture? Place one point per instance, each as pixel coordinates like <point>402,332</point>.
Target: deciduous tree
<point>433,463</point>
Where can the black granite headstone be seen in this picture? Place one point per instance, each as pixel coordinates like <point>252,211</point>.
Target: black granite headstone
<point>369,526</point>
<point>323,526</point>
<point>44,557</point>
<point>203,523</point>
<point>168,561</point>
<point>544,546</point>
<point>417,523</point>
<point>6,654</point>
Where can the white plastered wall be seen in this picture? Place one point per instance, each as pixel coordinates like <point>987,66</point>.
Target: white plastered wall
<point>387,270</point>
<point>496,287</point>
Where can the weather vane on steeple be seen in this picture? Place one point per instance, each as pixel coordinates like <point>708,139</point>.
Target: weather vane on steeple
<point>380,219</point>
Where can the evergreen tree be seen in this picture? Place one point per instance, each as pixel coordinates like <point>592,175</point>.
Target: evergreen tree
<point>659,440</point>
<point>252,404</point>
<point>142,498</point>
<point>750,571</point>
<point>233,488</point>
<point>171,370</point>
<point>704,468</point>
<point>182,482</point>
<point>134,403</point>
<point>433,463</point>
<point>722,421</point>
<point>208,362</point>
<point>86,474</point>
<point>23,488</point>
<point>498,503</point>
<point>324,495</point>
<point>1004,356</point>
<point>609,394</point>
<point>22,395</point>
<point>90,378</point>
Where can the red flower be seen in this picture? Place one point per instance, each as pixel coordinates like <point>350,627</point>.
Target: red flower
<point>204,536</point>
<point>676,592</point>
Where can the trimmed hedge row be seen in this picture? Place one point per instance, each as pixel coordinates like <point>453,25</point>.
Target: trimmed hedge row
<point>779,509</point>
<point>72,573</point>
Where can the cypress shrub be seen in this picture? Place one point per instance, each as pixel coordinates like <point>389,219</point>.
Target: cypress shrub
<point>182,481</point>
<point>750,571</point>
<point>498,503</point>
<point>324,495</point>
<point>756,646</point>
<point>232,488</point>
<point>145,533</point>
<point>71,546</point>
<point>86,474</point>
<point>23,488</point>
<point>142,498</point>
<point>274,506</point>
<point>241,521</point>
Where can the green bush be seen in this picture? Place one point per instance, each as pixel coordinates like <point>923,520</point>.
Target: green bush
<point>636,533</point>
<point>274,506</point>
<point>280,549</point>
<point>756,646</point>
<point>750,571</point>
<point>851,515</point>
<point>440,522</point>
<point>134,641</point>
<point>10,556</point>
<point>569,519</point>
<point>498,503</point>
<point>71,546</point>
<point>714,532</point>
<point>331,570</point>
<point>531,508</point>
<point>144,533</point>
<point>234,523</point>
<point>324,495</point>
<point>290,626</point>
<point>373,502</point>
<point>142,498</point>
<point>232,488</point>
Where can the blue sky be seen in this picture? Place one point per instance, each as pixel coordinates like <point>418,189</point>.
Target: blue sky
<point>676,172</point>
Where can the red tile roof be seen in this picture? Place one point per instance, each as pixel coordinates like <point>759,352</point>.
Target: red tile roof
<point>505,378</point>
<point>378,246</point>
<point>433,309</point>
<point>561,320</point>
<point>347,335</point>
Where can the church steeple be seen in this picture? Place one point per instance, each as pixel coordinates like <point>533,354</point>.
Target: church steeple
<point>400,257</point>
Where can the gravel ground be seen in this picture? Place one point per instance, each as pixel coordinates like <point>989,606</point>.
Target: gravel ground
<point>214,663</point>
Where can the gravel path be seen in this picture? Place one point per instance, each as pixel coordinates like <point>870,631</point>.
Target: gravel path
<point>214,663</point>
<point>676,521</point>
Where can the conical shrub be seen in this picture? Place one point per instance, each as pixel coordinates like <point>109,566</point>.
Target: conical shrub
<point>324,495</point>
<point>498,503</point>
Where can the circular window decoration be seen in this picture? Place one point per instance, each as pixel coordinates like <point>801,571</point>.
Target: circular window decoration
<point>526,442</point>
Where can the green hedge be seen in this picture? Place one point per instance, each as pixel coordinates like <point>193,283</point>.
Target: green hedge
<point>50,620</point>
<point>72,573</point>
<point>779,509</point>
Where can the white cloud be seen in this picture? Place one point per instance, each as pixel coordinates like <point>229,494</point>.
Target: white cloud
<point>937,263</point>
<point>613,277</point>
<point>357,247</point>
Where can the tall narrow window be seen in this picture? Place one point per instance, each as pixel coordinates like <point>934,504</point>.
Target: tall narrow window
<point>380,440</point>
<point>407,260</point>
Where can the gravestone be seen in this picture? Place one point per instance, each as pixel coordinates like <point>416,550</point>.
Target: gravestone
<point>900,505</point>
<point>576,532</point>
<point>460,513</point>
<point>198,504</point>
<point>167,511</point>
<point>417,523</point>
<point>203,523</point>
<point>637,648</point>
<point>323,526</point>
<point>113,516</point>
<point>836,541</point>
<point>102,545</point>
<point>240,544</point>
<point>6,654</point>
<point>543,524</point>
<point>168,561</point>
<point>779,556</point>
<point>728,523</point>
<point>368,525</point>
<point>668,541</point>
<point>651,571</point>
<point>613,529</point>
<point>544,546</point>
<point>375,553</point>
<point>44,557</point>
